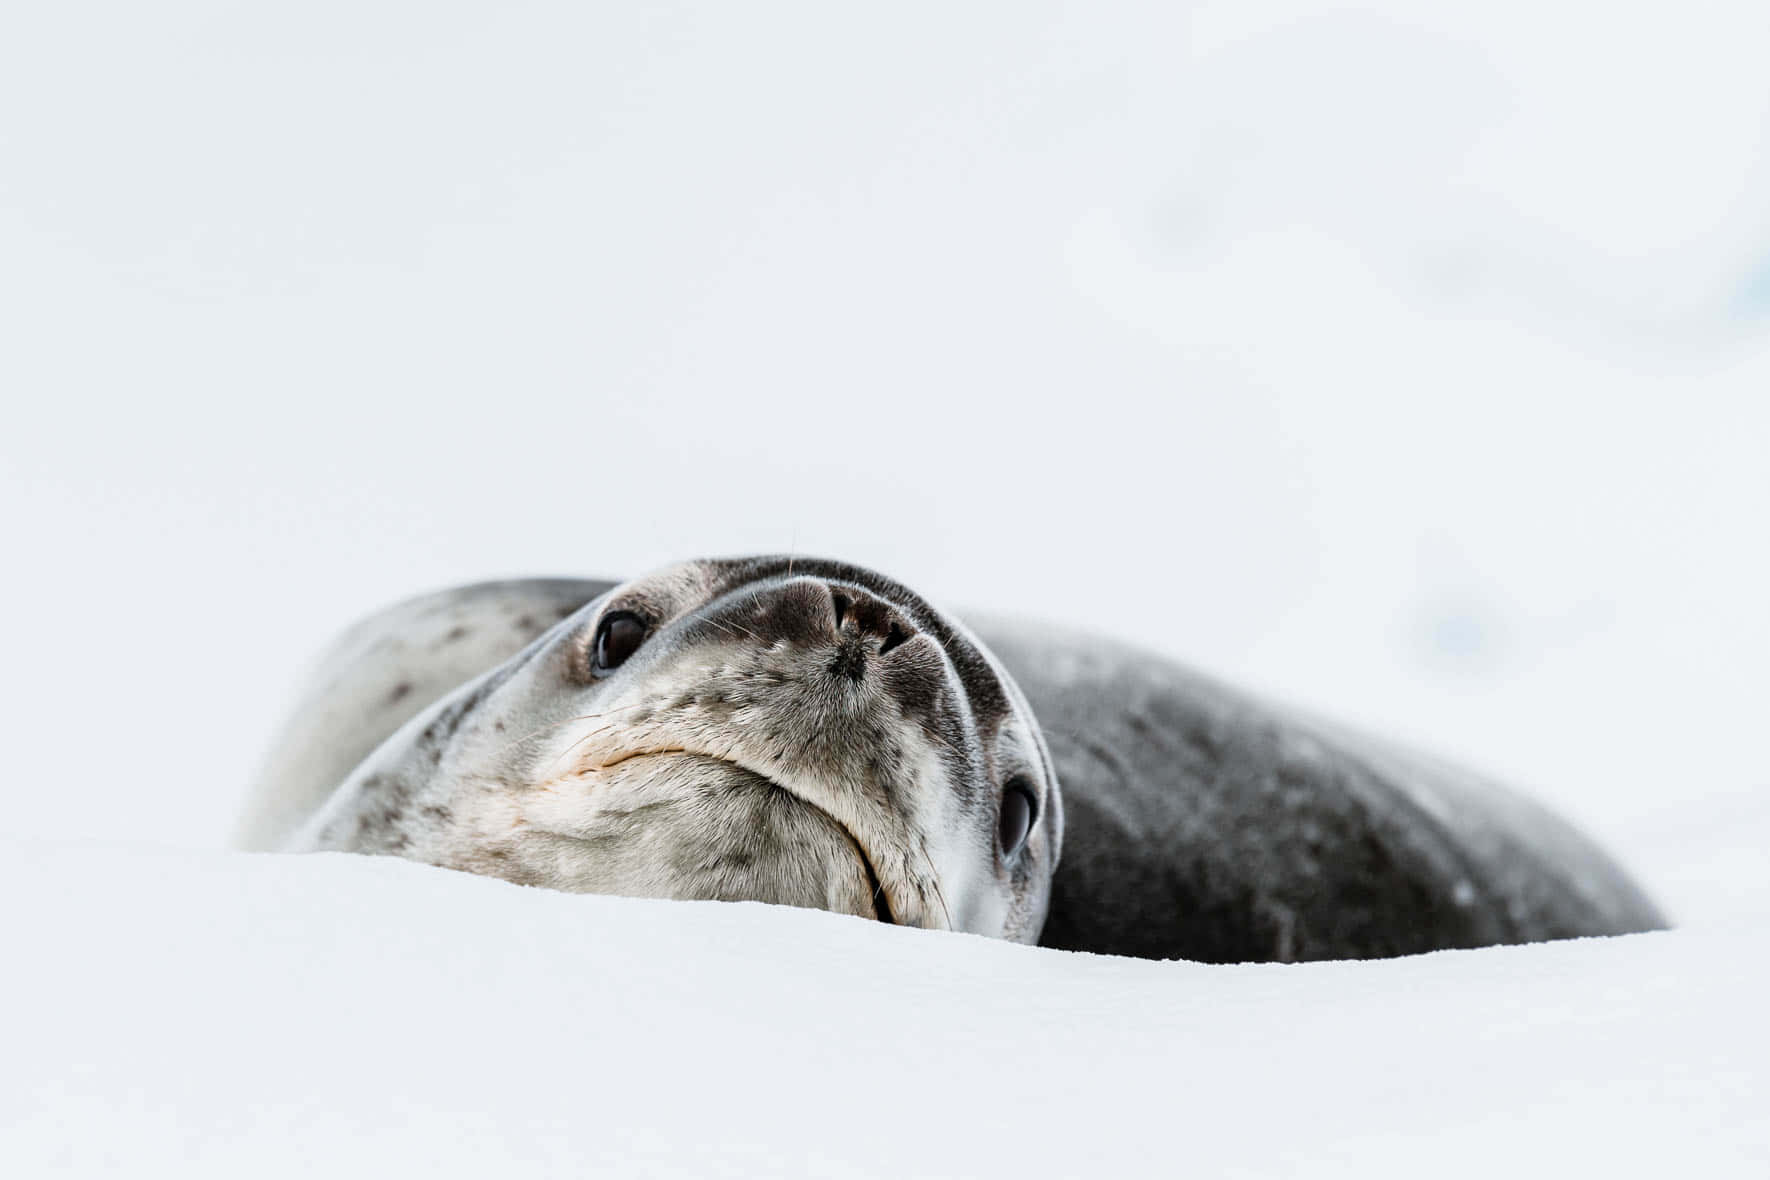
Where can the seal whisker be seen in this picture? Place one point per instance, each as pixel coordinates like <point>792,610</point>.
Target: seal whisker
<point>757,638</point>
<point>569,720</point>
<point>728,626</point>
<point>934,882</point>
<point>571,749</point>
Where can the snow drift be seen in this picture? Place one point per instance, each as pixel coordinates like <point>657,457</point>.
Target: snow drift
<point>219,1014</point>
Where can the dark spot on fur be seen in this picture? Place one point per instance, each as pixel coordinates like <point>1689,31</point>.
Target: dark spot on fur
<point>393,792</point>
<point>525,623</point>
<point>437,812</point>
<point>399,692</point>
<point>455,634</point>
<point>442,727</point>
<point>377,828</point>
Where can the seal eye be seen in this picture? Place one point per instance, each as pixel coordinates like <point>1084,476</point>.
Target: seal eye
<point>1017,813</point>
<point>617,637</point>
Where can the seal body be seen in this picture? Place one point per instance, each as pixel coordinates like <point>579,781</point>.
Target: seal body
<point>1202,823</point>
<point>1172,816</point>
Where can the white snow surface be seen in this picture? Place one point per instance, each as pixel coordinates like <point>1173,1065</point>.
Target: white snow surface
<point>233,1015</point>
<point>1408,362</point>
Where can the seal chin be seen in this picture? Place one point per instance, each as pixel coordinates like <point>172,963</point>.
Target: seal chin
<point>688,826</point>
<point>754,779</point>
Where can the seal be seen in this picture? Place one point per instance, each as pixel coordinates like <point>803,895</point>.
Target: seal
<point>811,733</point>
<point>785,731</point>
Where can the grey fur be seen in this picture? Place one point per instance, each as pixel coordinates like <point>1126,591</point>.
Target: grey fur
<point>828,766</point>
<point>381,673</point>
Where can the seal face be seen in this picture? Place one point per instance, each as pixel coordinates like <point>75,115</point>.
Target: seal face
<point>795,731</point>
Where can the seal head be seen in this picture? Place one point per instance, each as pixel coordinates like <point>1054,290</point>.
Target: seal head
<point>802,732</point>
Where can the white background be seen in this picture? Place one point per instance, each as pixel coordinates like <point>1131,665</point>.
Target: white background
<point>1412,362</point>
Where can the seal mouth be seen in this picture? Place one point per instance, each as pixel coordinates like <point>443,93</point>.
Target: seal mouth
<point>881,900</point>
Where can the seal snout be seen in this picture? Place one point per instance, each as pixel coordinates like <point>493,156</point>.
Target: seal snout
<point>854,627</point>
<point>865,626</point>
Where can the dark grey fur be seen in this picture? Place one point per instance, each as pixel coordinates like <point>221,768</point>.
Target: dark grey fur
<point>1204,824</point>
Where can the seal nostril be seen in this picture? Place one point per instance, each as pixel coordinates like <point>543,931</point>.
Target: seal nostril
<point>865,626</point>
<point>893,636</point>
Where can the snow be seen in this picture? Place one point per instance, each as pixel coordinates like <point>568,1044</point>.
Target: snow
<point>255,1015</point>
<point>1408,362</point>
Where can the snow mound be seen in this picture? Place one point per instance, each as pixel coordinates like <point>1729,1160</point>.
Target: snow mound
<point>221,1014</point>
